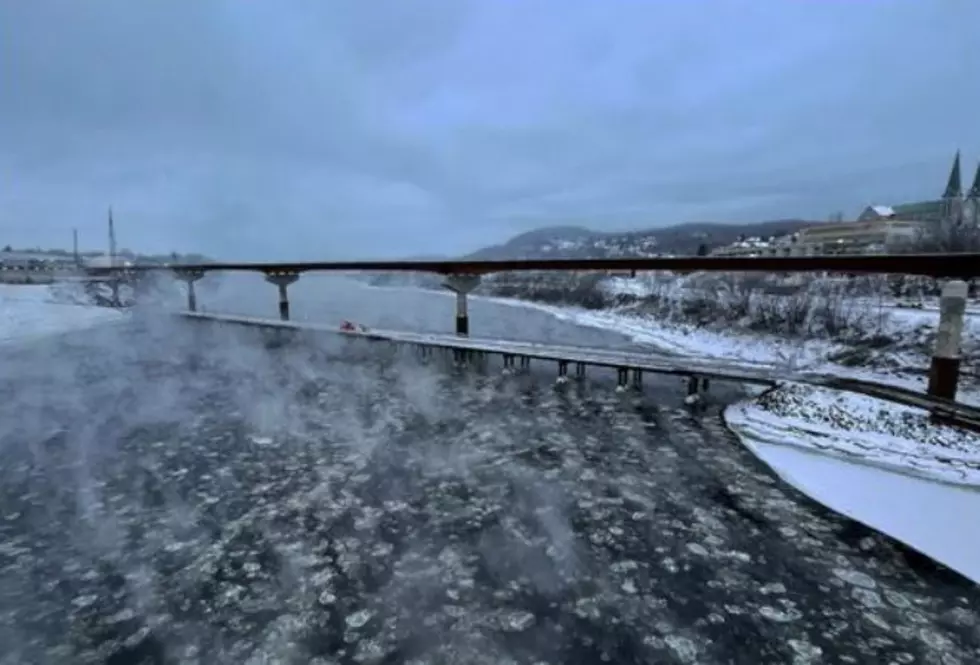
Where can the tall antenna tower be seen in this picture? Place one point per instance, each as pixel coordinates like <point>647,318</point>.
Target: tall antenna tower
<point>112,241</point>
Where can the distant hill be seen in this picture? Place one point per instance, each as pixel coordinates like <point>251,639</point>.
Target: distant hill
<point>579,242</point>
<point>534,242</point>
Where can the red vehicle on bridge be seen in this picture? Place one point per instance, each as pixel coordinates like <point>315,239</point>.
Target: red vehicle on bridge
<point>350,326</point>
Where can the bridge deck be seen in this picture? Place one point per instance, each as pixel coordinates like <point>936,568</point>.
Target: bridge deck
<point>711,368</point>
<point>659,364</point>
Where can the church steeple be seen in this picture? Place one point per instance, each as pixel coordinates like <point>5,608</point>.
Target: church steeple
<point>974,193</point>
<point>954,188</point>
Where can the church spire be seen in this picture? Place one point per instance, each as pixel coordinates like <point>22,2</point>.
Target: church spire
<point>954,188</point>
<point>974,193</point>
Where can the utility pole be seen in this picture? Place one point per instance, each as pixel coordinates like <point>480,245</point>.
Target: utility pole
<point>74,247</point>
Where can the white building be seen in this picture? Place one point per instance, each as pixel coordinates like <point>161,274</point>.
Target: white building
<point>753,246</point>
<point>106,261</point>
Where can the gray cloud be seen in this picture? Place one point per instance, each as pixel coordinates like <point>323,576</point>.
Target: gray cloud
<point>306,128</point>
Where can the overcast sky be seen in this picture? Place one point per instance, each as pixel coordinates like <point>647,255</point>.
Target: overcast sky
<point>297,129</point>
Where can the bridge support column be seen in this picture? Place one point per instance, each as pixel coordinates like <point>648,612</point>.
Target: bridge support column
<point>462,286</point>
<point>580,371</point>
<point>562,371</point>
<point>282,280</point>
<point>525,363</point>
<point>622,378</point>
<point>638,379</point>
<point>114,284</point>
<point>190,277</point>
<point>696,385</point>
<point>945,370</point>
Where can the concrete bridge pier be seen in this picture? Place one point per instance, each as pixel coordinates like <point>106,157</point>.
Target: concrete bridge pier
<point>462,286</point>
<point>282,280</point>
<point>696,386</point>
<point>622,379</point>
<point>190,277</point>
<point>638,379</point>
<point>114,284</point>
<point>562,371</point>
<point>580,371</point>
<point>508,364</point>
<point>468,358</point>
<point>944,372</point>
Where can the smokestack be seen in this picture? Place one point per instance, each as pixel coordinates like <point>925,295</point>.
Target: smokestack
<point>112,241</point>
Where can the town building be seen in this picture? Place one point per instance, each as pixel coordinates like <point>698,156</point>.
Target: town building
<point>107,261</point>
<point>953,205</point>
<point>752,246</point>
<point>878,228</point>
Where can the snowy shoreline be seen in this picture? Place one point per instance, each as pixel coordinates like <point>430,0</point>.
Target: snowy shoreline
<point>31,316</point>
<point>854,429</point>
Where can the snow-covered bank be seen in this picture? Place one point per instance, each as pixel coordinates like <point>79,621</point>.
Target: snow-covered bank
<point>935,519</point>
<point>32,311</point>
<point>860,429</point>
<point>902,367</point>
<point>691,340</point>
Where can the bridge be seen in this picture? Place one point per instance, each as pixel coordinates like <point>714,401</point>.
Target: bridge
<point>462,277</point>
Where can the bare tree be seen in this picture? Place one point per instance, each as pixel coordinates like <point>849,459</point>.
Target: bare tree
<point>947,236</point>
<point>951,235</point>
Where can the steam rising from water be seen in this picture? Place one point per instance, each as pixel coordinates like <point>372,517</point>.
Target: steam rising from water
<point>183,493</point>
<point>142,460</point>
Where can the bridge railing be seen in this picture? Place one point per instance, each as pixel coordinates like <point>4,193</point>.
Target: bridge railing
<point>959,266</point>
<point>462,277</point>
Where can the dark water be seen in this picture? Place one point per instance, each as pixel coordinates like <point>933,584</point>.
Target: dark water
<point>333,299</point>
<point>181,494</point>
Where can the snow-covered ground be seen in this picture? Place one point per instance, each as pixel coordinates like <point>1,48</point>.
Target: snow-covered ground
<point>31,311</point>
<point>860,429</point>
<point>880,463</point>
<point>689,339</point>
<point>902,368</point>
<point>935,519</point>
